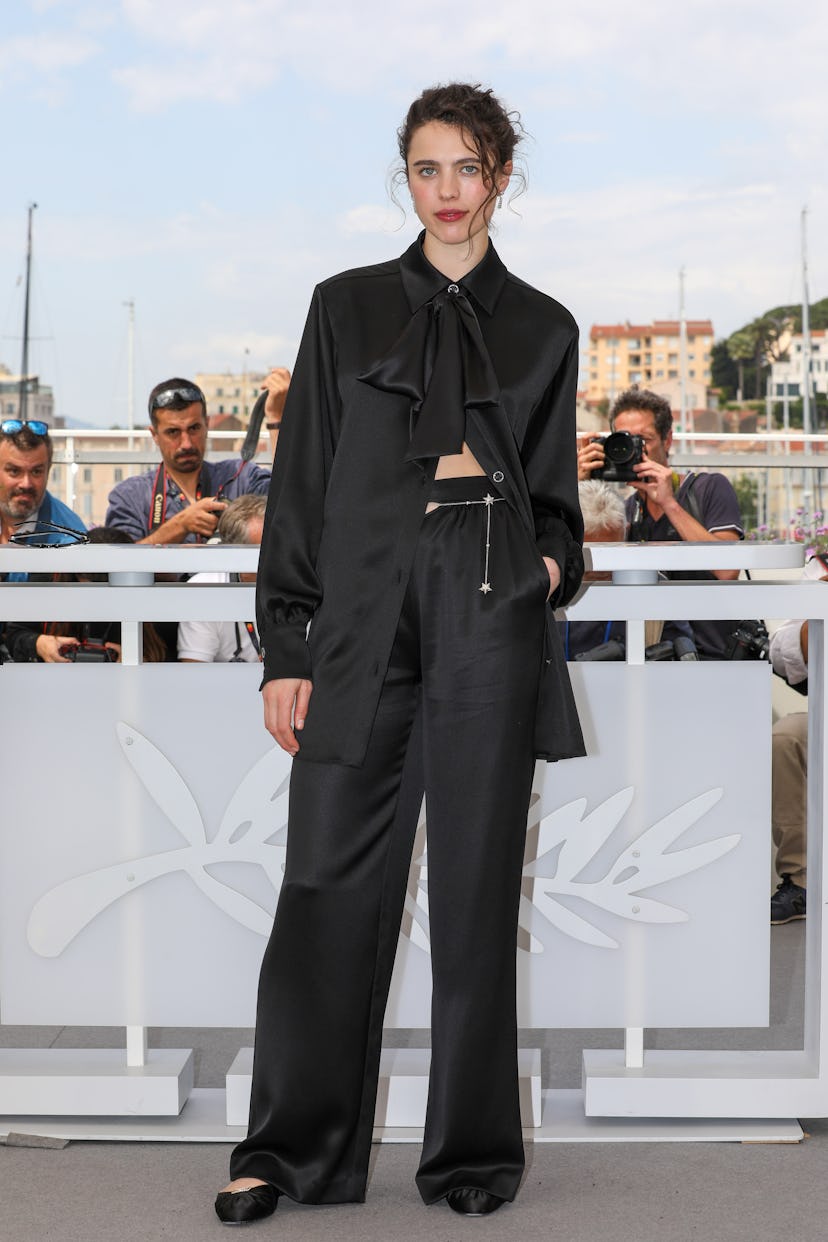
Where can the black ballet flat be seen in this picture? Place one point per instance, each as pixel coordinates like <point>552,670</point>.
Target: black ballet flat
<point>242,1207</point>
<point>470,1202</point>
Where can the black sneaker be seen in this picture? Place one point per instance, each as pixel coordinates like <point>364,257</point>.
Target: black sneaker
<point>788,902</point>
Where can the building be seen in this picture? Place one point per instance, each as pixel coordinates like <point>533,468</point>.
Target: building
<point>229,393</point>
<point>624,354</point>
<point>786,377</point>
<point>40,402</point>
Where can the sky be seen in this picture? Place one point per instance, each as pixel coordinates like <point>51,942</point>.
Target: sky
<point>211,160</point>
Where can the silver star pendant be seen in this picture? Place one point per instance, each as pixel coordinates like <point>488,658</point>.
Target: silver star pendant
<point>485,587</point>
<point>488,500</point>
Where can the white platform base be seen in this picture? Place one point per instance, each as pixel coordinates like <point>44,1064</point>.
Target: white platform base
<point>202,1120</point>
<point>77,1082</point>
<point>402,1090</point>
<point>690,1084</point>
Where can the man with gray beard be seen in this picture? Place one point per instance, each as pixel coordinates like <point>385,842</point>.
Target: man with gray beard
<point>26,507</point>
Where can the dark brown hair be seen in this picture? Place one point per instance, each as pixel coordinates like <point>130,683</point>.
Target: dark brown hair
<point>492,132</point>
<point>635,398</point>
<point>26,441</point>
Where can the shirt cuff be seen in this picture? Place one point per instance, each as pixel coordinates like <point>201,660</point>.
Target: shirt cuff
<point>285,652</point>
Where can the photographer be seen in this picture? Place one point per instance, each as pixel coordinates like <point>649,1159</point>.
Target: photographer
<point>182,499</point>
<point>667,506</point>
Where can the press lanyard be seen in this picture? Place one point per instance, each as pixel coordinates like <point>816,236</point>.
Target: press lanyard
<point>158,505</point>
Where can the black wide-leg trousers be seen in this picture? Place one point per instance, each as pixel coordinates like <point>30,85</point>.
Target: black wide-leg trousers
<point>455,718</point>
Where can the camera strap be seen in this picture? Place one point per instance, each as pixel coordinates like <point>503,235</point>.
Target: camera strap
<point>158,502</point>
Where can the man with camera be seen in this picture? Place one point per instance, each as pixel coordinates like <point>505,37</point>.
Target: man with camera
<point>697,508</point>
<point>182,500</point>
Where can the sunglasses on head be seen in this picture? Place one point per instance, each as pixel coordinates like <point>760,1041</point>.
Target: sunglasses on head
<point>11,425</point>
<point>170,395</point>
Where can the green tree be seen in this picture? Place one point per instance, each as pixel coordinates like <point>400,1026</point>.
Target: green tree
<point>741,346</point>
<point>723,372</point>
<point>747,491</point>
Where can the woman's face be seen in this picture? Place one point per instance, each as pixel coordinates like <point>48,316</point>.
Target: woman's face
<point>447,186</point>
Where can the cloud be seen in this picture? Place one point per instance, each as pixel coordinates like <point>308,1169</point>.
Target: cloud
<point>371,218</point>
<point>45,53</point>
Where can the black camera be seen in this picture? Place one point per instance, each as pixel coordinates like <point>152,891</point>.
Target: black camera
<point>90,651</point>
<point>749,641</point>
<point>622,451</point>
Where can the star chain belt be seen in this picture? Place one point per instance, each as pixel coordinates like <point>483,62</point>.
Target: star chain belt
<point>475,489</point>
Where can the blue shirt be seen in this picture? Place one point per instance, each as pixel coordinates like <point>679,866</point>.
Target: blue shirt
<point>130,501</point>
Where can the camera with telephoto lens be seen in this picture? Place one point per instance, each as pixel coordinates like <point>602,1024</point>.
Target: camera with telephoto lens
<point>749,641</point>
<point>622,451</point>
<point>90,651</point>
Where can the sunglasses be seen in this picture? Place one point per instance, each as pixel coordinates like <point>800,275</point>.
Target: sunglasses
<point>170,395</point>
<point>67,536</point>
<point>11,425</point>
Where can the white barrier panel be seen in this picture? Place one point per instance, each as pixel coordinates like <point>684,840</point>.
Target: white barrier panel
<point>139,872</point>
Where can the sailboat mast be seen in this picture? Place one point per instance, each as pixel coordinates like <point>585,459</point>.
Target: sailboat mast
<point>24,365</point>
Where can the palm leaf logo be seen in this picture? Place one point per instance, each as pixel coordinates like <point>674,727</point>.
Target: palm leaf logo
<point>256,812</point>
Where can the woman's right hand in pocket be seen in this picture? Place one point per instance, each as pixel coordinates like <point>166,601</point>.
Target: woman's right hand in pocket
<point>285,708</point>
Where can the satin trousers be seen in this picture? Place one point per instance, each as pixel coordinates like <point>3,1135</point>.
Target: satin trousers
<point>455,720</point>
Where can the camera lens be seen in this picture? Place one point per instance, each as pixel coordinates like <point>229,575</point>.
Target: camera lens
<point>619,447</point>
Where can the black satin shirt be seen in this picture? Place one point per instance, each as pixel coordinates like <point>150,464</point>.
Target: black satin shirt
<point>345,507</point>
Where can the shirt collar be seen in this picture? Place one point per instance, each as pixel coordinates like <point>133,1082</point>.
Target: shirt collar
<point>421,281</point>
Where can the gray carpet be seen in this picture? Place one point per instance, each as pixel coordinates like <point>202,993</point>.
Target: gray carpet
<point>144,1192</point>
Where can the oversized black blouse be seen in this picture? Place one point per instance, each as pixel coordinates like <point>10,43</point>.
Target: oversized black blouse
<point>345,507</point>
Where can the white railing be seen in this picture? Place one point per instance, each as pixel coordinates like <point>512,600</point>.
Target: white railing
<point>654,737</point>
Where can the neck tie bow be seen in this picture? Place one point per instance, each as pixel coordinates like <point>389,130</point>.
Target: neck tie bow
<point>441,362</point>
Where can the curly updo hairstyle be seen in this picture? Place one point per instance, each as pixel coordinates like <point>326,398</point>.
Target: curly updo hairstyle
<point>493,132</point>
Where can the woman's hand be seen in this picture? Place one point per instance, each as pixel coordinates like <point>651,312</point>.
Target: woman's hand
<point>554,576</point>
<point>285,708</point>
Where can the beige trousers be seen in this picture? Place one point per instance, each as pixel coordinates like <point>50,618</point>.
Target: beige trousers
<point>789,780</point>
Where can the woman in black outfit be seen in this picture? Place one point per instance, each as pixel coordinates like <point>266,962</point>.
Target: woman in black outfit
<point>423,516</point>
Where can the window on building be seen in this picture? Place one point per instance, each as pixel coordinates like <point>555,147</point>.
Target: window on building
<point>87,474</point>
<point>672,374</point>
<point>117,474</point>
<point>635,360</point>
<point>235,409</point>
<point>87,504</point>
<point>635,377</point>
<point>659,375</point>
<point>692,373</point>
<point>659,358</point>
<point>672,359</point>
<point>633,343</point>
<point>219,392</point>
